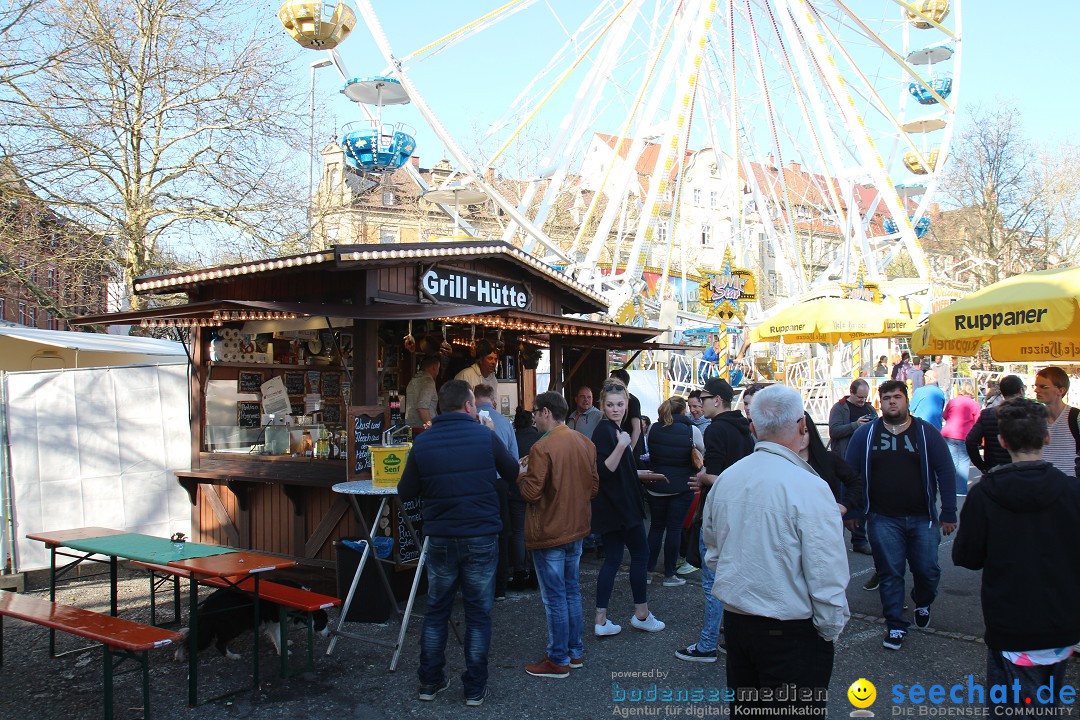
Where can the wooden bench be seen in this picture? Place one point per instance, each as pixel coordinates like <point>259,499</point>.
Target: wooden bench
<point>291,602</point>
<point>120,639</point>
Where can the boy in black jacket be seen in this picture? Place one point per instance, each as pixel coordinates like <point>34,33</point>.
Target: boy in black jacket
<point>1021,526</point>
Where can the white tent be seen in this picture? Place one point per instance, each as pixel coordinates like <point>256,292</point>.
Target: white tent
<point>24,348</point>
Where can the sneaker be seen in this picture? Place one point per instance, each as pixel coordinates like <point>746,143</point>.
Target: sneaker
<point>649,624</point>
<point>546,668</point>
<point>519,582</point>
<point>692,654</point>
<point>608,628</point>
<point>674,581</point>
<point>476,700</point>
<point>684,568</point>
<point>922,617</point>
<point>872,583</point>
<point>861,549</point>
<point>894,639</point>
<point>500,595</point>
<point>428,691</point>
<point>577,663</point>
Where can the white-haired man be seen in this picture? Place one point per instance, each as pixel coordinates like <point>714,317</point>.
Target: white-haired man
<point>775,540</point>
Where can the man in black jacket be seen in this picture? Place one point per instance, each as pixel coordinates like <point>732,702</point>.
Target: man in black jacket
<point>983,434</point>
<point>454,468</point>
<point>1021,526</point>
<point>727,440</point>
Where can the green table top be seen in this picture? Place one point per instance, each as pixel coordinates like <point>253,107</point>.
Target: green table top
<point>144,548</point>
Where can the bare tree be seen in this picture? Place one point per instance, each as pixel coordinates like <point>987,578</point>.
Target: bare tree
<point>1015,208</point>
<point>158,123</point>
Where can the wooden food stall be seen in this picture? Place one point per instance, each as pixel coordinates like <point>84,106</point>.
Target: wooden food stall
<point>293,359</point>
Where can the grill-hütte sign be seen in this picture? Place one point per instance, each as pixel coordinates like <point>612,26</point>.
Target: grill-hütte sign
<point>441,284</point>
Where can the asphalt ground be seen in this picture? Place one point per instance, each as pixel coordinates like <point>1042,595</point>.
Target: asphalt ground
<point>355,681</point>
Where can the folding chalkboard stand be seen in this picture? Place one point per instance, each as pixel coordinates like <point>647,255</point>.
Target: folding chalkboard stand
<point>365,487</point>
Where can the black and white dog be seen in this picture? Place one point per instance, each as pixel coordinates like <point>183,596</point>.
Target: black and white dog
<point>225,614</point>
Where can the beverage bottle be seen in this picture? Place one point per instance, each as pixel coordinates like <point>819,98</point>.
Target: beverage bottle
<point>322,448</point>
<point>305,443</point>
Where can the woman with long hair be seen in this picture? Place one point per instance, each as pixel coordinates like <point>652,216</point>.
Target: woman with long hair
<point>618,514</point>
<point>671,440</point>
<point>848,487</point>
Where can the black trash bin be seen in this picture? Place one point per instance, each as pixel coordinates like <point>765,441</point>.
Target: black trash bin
<point>370,603</point>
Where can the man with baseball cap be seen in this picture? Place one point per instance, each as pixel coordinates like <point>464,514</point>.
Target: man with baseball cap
<point>727,440</point>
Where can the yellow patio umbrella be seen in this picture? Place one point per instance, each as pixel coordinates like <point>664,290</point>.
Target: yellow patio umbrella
<point>832,320</point>
<point>1026,318</point>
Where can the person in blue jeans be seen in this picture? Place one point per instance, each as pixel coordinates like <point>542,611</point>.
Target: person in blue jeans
<point>558,487</point>
<point>454,468</point>
<point>907,466</point>
<point>727,440</point>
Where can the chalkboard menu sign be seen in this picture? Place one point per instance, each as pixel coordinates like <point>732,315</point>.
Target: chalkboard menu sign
<point>296,406</point>
<point>331,413</point>
<point>331,385</point>
<point>250,382</point>
<point>294,383</point>
<point>248,414</point>
<point>408,547</point>
<point>364,427</point>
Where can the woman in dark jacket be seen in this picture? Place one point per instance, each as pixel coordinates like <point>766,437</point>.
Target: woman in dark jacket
<point>848,486</point>
<point>671,439</point>
<point>618,514</point>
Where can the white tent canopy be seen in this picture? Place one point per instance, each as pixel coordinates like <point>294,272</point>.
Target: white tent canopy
<point>24,348</point>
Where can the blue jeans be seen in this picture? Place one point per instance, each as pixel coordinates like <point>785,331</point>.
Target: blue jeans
<point>668,513</point>
<point>560,589</point>
<point>714,609</point>
<point>468,563</point>
<point>961,463</point>
<point>896,542</point>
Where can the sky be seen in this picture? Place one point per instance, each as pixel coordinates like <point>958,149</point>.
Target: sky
<point>1019,55</point>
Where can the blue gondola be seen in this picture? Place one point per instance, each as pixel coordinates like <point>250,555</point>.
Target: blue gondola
<point>942,86</point>
<point>921,227</point>
<point>378,148</point>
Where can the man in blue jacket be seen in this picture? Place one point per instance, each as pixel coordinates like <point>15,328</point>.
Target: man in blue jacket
<point>907,465</point>
<point>454,468</point>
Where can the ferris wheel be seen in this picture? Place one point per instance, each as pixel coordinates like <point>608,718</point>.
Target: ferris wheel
<point>658,135</point>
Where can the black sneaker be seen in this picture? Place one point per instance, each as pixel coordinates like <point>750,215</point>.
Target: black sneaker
<point>894,639</point>
<point>519,582</point>
<point>873,583</point>
<point>477,700</point>
<point>428,691</point>
<point>692,654</point>
<point>861,549</point>
<point>922,617</point>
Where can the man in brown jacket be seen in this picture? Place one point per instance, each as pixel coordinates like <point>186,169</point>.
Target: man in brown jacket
<point>558,486</point>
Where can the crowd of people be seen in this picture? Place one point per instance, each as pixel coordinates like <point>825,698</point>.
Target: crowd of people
<point>758,501</point>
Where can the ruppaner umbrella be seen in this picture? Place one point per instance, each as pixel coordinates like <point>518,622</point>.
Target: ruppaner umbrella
<point>831,320</point>
<point>1025,318</point>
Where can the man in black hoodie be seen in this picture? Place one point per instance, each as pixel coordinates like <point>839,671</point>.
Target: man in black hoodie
<point>727,440</point>
<point>1021,526</point>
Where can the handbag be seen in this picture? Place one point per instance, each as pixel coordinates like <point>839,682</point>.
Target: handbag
<point>697,460</point>
<point>693,543</point>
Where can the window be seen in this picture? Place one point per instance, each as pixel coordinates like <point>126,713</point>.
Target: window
<point>387,197</point>
<point>50,278</point>
<point>32,317</point>
<point>388,234</point>
<point>22,313</point>
<point>697,196</point>
<point>714,198</point>
<point>661,231</point>
<point>3,308</point>
<point>774,283</point>
<point>54,324</point>
<point>706,234</point>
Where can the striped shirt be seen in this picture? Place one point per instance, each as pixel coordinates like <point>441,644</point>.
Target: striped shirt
<point>1061,452</point>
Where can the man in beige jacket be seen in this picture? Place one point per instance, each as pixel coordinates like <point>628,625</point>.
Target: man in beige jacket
<point>558,486</point>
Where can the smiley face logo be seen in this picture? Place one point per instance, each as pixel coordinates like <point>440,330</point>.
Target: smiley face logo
<point>862,693</point>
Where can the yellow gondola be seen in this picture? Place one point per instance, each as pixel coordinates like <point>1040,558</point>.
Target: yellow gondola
<point>317,25</point>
